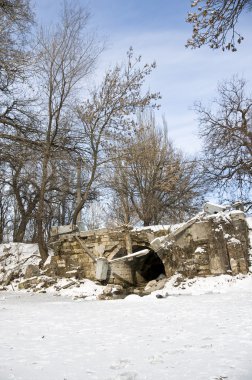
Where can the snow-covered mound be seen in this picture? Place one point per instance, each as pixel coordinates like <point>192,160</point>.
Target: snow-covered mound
<point>177,285</point>
<point>83,289</point>
<point>15,257</point>
<point>14,260</point>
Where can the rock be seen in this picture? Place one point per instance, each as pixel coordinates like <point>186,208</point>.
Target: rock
<point>10,276</point>
<point>113,289</point>
<point>137,291</point>
<point>160,277</point>
<point>108,289</point>
<point>160,284</point>
<point>162,296</point>
<point>113,292</point>
<point>32,271</point>
<point>117,289</point>
<point>37,281</point>
<point>150,284</point>
<point>179,280</point>
<point>72,273</point>
<point>29,283</point>
<point>156,285</point>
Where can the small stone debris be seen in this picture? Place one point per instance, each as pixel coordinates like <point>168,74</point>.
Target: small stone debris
<point>68,285</point>
<point>160,296</point>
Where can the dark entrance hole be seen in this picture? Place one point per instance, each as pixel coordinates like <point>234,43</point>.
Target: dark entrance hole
<point>149,266</point>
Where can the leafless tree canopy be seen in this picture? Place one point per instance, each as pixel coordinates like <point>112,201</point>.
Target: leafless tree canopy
<point>153,179</point>
<point>214,23</point>
<point>65,57</point>
<point>107,117</point>
<point>15,21</point>
<point>226,130</point>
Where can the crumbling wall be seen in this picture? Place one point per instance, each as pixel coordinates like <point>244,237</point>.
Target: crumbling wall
<point>215,245</point>
<point>72,259</point>
<point>205,245</point>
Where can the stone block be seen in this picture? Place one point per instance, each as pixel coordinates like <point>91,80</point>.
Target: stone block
<point>199,231</point>
<point>201,259</point>
<point>32,271</point>
<point>155,285</point>
<point>243,266</point>
<point>101,231</point>
<point>28,283</point>
<point>204,268</point>
<point>139,279</point>
<point>77,251</point>
<point>237,215</point>
<point>99,249</point>
<point>238,261</point>
<point>123,270</point>
<point>102,267</point>
<point>86,234</point>
<point>66,251</point>
<point>216,265</point>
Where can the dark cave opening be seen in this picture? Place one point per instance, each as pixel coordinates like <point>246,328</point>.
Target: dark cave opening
<point>149,266</point>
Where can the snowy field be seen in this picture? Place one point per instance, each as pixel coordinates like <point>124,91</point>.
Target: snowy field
<point>201,331</point>
<point>195,337</point>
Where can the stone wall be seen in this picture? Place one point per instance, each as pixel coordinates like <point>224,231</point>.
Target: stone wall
<point>206,245</point>
<point>215,245</point>
<point>71,258</point>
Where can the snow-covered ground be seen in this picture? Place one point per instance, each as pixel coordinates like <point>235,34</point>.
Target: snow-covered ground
<point>200,330</point>
<point>208,336</point>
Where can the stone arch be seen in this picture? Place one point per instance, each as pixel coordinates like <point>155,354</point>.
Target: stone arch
<point>149,266</point>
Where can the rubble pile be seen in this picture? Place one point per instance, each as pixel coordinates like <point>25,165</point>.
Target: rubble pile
<point>15,258</point>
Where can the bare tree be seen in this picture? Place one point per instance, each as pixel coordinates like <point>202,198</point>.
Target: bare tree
<point>16,119</point>
<point>5,207</point>
<point>154,179</point>
<point>108,117</point>
<point>15,21</point>
<point>226,131</point>
<point>26,194</point>
<point>19,161</point>
<point>66,56</point>
<point>214,23</point>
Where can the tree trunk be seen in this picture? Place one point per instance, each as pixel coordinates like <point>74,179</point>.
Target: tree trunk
<point>78,210</point>
<point>146,223</point>
<point>43,250</point>
<point>82,202</point>
<point>20,232</point>
<point>78,191</point>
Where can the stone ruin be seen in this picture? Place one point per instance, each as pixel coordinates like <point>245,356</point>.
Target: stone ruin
<point>208,244</point>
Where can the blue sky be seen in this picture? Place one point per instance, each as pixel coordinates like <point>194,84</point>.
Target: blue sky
<point>157,30</point>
